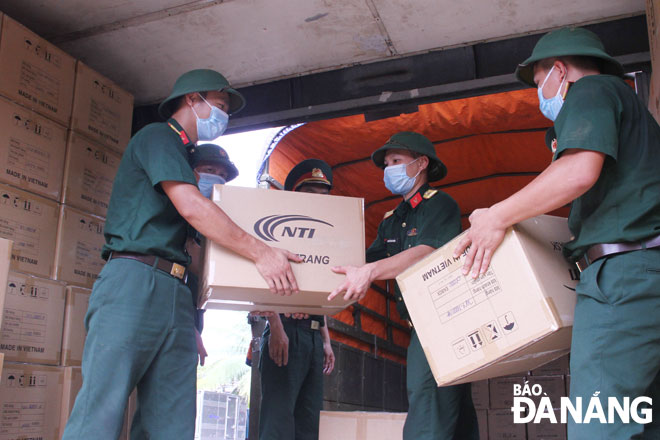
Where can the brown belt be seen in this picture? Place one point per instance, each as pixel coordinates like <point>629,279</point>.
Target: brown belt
<point>175,269</point>
<point>598,251</point>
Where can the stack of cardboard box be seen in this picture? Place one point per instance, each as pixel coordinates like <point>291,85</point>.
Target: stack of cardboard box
<point>63,128</point>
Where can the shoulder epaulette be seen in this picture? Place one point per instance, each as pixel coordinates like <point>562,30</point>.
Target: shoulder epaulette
<point>430,193</point>
<point>388,213</point>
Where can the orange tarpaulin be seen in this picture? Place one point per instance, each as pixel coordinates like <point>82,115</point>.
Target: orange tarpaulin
<point>493,145</point>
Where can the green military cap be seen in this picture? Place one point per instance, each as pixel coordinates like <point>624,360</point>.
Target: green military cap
<point>568,42</point>
<point>411,141</point>
<point>308,171</point>
<point>201,80</point>
<point>213,154</point>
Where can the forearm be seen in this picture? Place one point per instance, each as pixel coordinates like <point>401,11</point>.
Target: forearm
<point>275,322</point>
<point>389,268</point>
<point>325,332</point>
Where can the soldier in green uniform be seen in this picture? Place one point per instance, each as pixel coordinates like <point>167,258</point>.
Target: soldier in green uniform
<point>424,220</point>
<point>212,166</point>
<point>295,353</point>
<point>140,320</point>
<point>606,153</point>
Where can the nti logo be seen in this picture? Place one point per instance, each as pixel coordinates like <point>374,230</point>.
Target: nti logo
<point>265,227</point>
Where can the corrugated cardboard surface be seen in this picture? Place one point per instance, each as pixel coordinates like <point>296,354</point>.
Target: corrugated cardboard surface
<point>482,418</point>
<point>79,241</point>
<point>31,222</point>
<point>327,230</point>
<point>33,319</point>
<point>359,425</point>
<point>101,109</point>
<point>73,337</point>
<point>501,426</point>
<point>515,317</point>
<point>88,174</point>
<point>30,398</point>
<point>32,149</point>
<point>35,73</point>
<point>5,258</point>
<point>546,430</point>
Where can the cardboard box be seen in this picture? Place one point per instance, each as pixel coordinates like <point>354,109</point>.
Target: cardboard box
<point>79,241</point>
<point>516,317</point>
<point>73,337</point>
<point>501,426</point>
<point>30,398</point>
<point>326,230</point>
<point>88,175</point>
<point>554,387</point>
<point>33,319</point>
<point>546,430</point>
<point>31,222</point>
<point>361,425</point>
<point>501,391</point>
<point>101,109</point>
<point>5,259</point>
<point>480,394</point>
<point>32,149</point>
<point>482,419</point>
<point>558,367</point>
<point>35,73</point>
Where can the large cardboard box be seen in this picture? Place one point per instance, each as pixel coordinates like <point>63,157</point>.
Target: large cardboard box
<point>325,230</point>
<point>32,150</point>
<point>5,258</point>
<point>73,337</point>
<point>361,425</point>
<point>30,398</point>
<point>31,222</point>
<point>33,319</point>
<point>88,174</point>
<point>544,430</point>
<point>101,109</point>
<point>79,241</point>
<point>35,73</point>
<point>501,426</point>
<point>517,316</point>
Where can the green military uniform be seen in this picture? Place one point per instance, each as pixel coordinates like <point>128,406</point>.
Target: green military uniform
<point>432,218</point>
<point>292,395</point>
<point>433,413</point>
<point>140,318</point>
<point>616,343</point>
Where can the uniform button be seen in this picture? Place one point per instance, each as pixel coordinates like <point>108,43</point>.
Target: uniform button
<point>403,225</point>
<point>388,254</point>
<point>410,245</point>
<point>398,298</point>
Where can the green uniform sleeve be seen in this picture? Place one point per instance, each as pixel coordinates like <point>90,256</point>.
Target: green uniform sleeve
<point>377,250</point>
<point>589,119</point>
<point>163,159</point>
<point>440,222</point>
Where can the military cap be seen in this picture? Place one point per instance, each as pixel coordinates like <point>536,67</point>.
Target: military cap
<point>411,141</point>
<point>568,42</point>
<point>213,154</point>
<point>308,171</point>
<point>201,80</point>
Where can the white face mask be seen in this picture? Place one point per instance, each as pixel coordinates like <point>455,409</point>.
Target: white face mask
<point>213,126</point>
<point>397,180</point>
<point>206,182</point>
<point>550,107</point>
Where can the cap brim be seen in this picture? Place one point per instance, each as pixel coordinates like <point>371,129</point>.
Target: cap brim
<point>236,102</point>
<point>525,70</point>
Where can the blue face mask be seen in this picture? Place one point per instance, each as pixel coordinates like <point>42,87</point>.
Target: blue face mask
<point>550,107</point>
<point>396,179</point>
<point>206,182</point>
<point>213,126</point>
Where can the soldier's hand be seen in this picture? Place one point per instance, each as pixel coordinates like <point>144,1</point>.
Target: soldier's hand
<point>262,314</point>
<point>201,350</point>
<point>483,237</point>
<point>328,358</point>
<point>357,282</point>
<point>273,265</point>
<point>297,315</point>
<point>278,346</point>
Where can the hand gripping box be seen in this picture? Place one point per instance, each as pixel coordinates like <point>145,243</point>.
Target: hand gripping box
<point>73,336</point>
<point>79,241</point>
<point>324,230</point>
<point>35,73</point>
<point>31,222</point>
<point>30,399</point>
<point>32,319</point>
<point>32,150</point>
<point>101,110</point>
<point>516,317</point>
<point>88,175</point>
<point>361,425</point>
